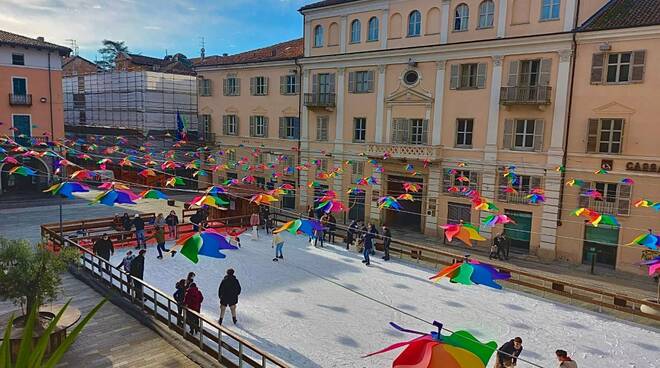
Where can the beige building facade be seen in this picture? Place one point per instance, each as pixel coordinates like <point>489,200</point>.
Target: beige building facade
<point>437,92</point>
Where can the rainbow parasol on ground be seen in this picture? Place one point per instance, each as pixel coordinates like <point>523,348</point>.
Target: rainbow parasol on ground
<point>649,240</point>
<point>67,189</point>
<point>153,194</point>
<point>464,232</point>
<point>472,272</point>
<point>207,243</point>
<point>308,227</point>
<point>434,350</point>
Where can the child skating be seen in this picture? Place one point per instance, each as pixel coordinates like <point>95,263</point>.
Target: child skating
<point>278,244</point>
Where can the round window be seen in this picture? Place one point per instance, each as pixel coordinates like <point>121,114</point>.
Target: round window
<point>411,77</point>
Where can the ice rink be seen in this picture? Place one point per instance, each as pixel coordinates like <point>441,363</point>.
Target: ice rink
<point>322,307</point>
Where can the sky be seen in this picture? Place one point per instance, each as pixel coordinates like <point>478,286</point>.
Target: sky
<point>150,27</point>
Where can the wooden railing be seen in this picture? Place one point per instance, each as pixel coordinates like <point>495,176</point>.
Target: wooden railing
<point>600,300</point>
<point>227,347</point>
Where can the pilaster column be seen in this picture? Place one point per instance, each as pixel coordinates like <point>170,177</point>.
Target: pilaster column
<point>560,112</point>
<point>339,111</point>
<point>308,37</point>
<point>444,21</point>
<point>384,29</point>
<point>548,242</point>
<point>304,112</point>
<point>376,191</point>
<point>436,137</point>
<point>342,34</point>
<point>432,191</point>
<point>380,104</point>
<point>388,131</point>
<point>569,16</point>
<point>501,19</point>
<point>490,153</point>
<point>338,181</point>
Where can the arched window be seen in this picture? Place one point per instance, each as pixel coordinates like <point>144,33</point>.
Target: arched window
<point>373,29</point>
<point>355,31</point>
<point>414,24</point>
<point>461,18</point>
<point>486,14</point>
<point>318,36</point>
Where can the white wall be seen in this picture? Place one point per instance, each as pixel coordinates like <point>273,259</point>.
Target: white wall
<point>33,58</point>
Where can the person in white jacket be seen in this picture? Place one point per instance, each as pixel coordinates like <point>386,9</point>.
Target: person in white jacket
<point>278,243</point>
<point>564,360</point>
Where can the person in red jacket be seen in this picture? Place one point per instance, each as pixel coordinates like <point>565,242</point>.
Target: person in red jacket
<point>193,301</point>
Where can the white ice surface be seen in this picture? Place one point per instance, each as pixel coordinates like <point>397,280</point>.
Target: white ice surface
<point>317,309</point>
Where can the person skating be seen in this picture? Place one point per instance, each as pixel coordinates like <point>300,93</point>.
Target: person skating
<point>138,223</point>
<point>160,220</point>
<point>126,222</point>
<point>368,244</point>
<point>254,223</point>
<point>350,234</point>
<point>193,301</point>
<point>126,261</point>
<point>564,360</point>
<point>228,293</point>
<point>508,353</point>
<point>495,247</point>
<point>179,295</point>
<point>332,225</point>
<point>190,279</point>
<point>172,220</point>
<point>374,235</point>
<point>103,248</point>
<point>505,246</point>
<point>160,241</point>
<point>278,243</point>
<point>387,239</point>
<point>137,271</point>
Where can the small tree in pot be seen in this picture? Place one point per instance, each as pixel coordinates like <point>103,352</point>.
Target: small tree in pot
<point>30,276</point>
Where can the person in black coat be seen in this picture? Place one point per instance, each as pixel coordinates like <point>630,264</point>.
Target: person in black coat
<point>507,353</point>
<point>387,239</point>
<point>228,293</point>
<point>138,222</point>
<point>126,222</point>
<point>137,271</point>
<point>179,296</point>
<point>350,234</point>
<point>104,249</point>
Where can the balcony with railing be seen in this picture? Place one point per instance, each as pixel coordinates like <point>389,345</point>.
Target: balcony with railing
<point>525,95</point>
<point>516,198</point>
<point>20,100</point>
<point>407,151</point>
<point>604,207</point>
<point>320,99</point>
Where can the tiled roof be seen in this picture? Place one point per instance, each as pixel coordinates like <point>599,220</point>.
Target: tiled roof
<point>624,14</point>
<point>12,39</point>
<point>144,60</point>
<point>323,4</point>
<point>282,51</point>
<point>69,59</point>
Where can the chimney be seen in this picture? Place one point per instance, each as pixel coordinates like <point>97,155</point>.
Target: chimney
<point>225,54</point>
<point>202,53</point>
<point>40,38</point>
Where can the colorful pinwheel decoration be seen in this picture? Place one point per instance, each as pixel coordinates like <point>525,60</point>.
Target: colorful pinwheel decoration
<point>493,220</point>
<point>146,173</point>
<point>208,243</point>
<point>510,190</point>
<point>593,193</point>
<point>434,350</point>
<point>600,171</point>
<point>169,165</point>
<point>209,200</point>
<point>354,191</point>
<point>654,266</point>
<point>388,202</point>
<point>575,182</point>
<point>560,169</point>
<point>171,182</point>
<point>406,197</point>
<point>22,171</point>
<point>153,194</point>
<point>331,205</point>
<point>103,163</point>
<point>313,184</point>
<point>412,187</point>
<point>113,185</point>
<point>308,227</point>
<point>66,189</point>
<point>369,180</point>
<point>537,195</point>
<point>481,204</point>
<point>595,218</point>
<point>647,203</point>
<point>463,232</point>
<point>472,272</point>
<point>649,240</point>
<point>627,181</point>
<point>9,160</point>
<point>112,196</point>
<point>264,199</point>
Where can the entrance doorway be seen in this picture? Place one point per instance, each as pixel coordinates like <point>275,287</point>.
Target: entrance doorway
<point>458,213</point>
<point>21,185</point>
<point>356,206</point>
<point>600,242</point>
<point>519,234</point>
<point>410,216</point>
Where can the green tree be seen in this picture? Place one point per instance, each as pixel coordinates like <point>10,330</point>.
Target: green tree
<point>109,52</point>
<point>29,275</point>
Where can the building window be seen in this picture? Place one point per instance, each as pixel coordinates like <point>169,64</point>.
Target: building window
<point>322,128</point>
<point>259,86</point>
<point>19,86</point>
<point>230,125</point>
<point>17,59</point>
<point>205,123</point>
<point>615,198</point>
<point>529,73</point>
<point>411,77</point>
<point>318,36</point>
<point>356,29</point>
<point>258,126</point>
<point>486,14</point>
<point>418,133</point>
<point>359,129</point>
<point>410,131</point>
<point>373,29</point>
<point>623,67</point>
<point>289,128</point>
<point>461,18</point>
<point>231,157</point>
<point>464,133</point>
<point>468,76</point>
<point>232,86</point>
<point>361,82</point>
<point>357,169</point>
<point>22,125</point>
<point>523,134</point>
<point>414,24</point>
<point>550,9</point>
<point>461,179</point>
<point>522,184</point>
<point>618,67</point>
<point>605,136</point>
<point>289,84</point>
<point>204,87</point>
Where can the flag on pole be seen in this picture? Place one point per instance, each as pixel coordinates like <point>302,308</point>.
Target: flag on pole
<point>180,127</point>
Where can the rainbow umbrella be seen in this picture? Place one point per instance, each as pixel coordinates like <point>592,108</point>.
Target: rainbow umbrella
<point>649,240</point>
<point>153,194</point>
<point>82,175</point>
<point>577,182</point>
<point>493,220</point>
<point>300,226</point>
<point>406,197</point>
<point>207,243</point>
<point>66,189</point>
<point>171,182</point>
<point>331,205</point>
<point>209,200</point>
<point>147,172</point>
<point>265,199</point>
<point>654,265</point>
<point>112,196</point>
<point>472,272</point>
<point>464,232</point>
<point>9,160</point>
<point>388,202</point>
<point>411,187</point>
<point>23,171</point>
<point>434,350</point>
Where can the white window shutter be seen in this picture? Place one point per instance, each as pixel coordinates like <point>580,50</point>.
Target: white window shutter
<point>253,86</point>
<point>225,89</point>
<point>283,84</point>
<point>538,135</point>
<point>225,124</point>
<point>283,128</point>
<point>425,131</point>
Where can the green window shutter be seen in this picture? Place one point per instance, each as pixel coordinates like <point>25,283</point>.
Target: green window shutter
<point>200,87</point>
<point>238,87</point>
<point>638,62</point>
<point>508,134</point>
<point>238,127</point>
<point>351,82</point>
<point>370,81</point>
<point>481,75</point>
<point>538,135</point>
<point>513,73</point>
<point>454,80</point>
<point>283,128</point>
<point>623,199</point>
<point>597,70</point>
<point>592,135</point>
<point>546,69</point>
<point>283,84</point>
<point>252,126</point>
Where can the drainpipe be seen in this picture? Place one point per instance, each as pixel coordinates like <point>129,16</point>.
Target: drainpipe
<point>300,104</point>
<point>564,158</point>
<point>50,100</point>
